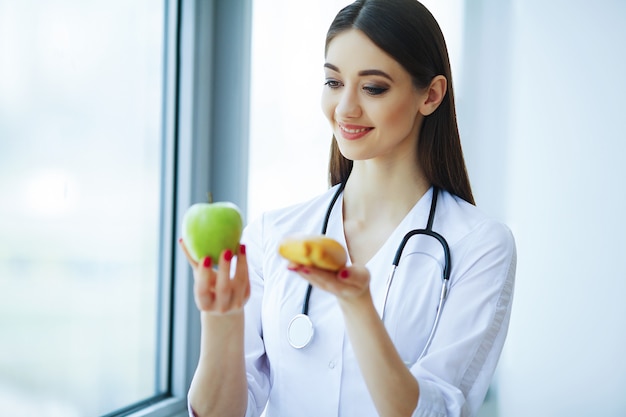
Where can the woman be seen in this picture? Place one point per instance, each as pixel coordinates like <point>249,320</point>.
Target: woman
<point>396,165</point>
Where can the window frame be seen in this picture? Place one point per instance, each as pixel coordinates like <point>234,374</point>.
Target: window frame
<point>207,56</point>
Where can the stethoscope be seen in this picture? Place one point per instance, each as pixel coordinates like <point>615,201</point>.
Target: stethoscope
<point>300,331</point>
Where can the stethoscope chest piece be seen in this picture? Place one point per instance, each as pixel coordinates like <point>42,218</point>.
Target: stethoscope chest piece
<point>300,331</point>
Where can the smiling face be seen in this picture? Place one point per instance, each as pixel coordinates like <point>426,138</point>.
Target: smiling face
<point>370,100</point>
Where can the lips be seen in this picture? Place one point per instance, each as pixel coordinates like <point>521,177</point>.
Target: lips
<point>353,132</point>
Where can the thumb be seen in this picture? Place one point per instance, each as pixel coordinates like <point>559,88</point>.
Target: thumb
<point>358,276</point>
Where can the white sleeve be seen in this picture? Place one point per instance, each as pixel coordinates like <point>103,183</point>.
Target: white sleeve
<point>455,373</point>
<point>257,367</point>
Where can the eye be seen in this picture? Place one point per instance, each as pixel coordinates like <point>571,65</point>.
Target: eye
<point>374,90</point>
<point>332,84</point>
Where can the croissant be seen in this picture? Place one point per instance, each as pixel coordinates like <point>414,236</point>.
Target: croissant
<point>318,251</point>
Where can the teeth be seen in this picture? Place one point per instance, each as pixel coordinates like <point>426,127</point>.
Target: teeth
<point>353,130</point>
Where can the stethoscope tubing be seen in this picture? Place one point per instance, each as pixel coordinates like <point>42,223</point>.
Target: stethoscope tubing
<point>303,317</point>
<point>307,297</point>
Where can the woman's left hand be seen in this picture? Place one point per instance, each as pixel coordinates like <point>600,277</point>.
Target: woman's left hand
<point>348,283</point>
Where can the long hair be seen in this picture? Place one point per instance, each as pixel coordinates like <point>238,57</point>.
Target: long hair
<point>409,33</point>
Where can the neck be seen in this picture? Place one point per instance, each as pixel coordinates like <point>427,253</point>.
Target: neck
<point>374,189</point>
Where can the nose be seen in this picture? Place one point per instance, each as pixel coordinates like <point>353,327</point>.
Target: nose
<point>348,105</point>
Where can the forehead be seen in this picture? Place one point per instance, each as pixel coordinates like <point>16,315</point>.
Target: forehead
<point>352,50</point>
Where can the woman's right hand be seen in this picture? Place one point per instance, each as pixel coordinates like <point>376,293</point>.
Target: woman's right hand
<point>219,385</point>
<point>215,291</point>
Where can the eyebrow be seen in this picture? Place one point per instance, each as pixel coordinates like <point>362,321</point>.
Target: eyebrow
<point>362,73</point>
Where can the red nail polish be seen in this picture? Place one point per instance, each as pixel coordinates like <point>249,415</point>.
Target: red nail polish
<point>242,249</point>
<point>207,262</point>
<point>228,255</point>
<point>305,270</point>
<point>344,273</point>
<point>180,240</point>
<point>292,268</point>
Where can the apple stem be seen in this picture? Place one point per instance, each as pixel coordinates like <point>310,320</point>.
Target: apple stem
<point>209,196</point>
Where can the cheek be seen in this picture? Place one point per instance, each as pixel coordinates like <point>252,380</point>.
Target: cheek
<point>401,115</point>
<point>328,105</point>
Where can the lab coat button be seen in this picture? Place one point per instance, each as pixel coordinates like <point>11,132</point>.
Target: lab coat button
<point>331,364</point>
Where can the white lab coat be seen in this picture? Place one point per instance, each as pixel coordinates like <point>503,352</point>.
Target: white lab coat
<point>323,379</point>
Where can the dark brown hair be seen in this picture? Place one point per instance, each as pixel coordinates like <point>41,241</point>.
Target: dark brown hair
<point>409,33</point>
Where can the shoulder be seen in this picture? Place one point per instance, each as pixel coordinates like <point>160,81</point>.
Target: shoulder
<point>463,223</point>
<point>263,235</point>
<point>477,241</point>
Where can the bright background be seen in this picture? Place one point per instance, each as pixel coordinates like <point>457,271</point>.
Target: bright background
<point>540,88</point>
<point>80,155</point>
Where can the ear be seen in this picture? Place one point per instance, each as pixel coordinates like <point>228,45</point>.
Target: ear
<point>435,93</point>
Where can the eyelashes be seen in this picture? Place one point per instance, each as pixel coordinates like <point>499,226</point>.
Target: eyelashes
<point>372,90</point>
<point>375,91</point>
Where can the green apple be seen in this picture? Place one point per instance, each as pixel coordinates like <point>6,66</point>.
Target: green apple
<point>211,228</point>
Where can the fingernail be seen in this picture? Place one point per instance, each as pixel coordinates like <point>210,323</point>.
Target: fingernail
<point>228,255</point>
<point>344,273</point>
<point>292,267</point>
<point>180,240</point>
<point>305,270</point>
<point>207,262</point>
<point>242,249</point>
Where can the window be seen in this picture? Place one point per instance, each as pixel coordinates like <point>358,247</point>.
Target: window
<point>81,185</point>
<point>115,117</point>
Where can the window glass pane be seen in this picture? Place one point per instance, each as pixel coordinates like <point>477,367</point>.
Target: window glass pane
<point>80,192</point>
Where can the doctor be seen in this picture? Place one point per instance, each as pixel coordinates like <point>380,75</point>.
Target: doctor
<point>396,165</point>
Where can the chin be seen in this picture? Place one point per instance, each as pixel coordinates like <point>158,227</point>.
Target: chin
<point>352,154</point>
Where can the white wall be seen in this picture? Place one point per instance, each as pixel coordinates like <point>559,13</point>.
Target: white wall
<point>542,119</point>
